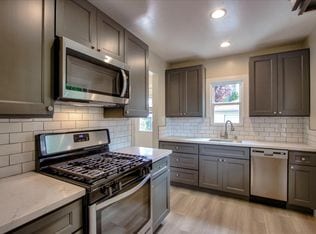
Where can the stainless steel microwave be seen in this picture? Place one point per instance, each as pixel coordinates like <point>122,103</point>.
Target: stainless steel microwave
<point>89,76</point>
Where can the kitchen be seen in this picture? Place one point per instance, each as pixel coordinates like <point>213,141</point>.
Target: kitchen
<point>157,116</point>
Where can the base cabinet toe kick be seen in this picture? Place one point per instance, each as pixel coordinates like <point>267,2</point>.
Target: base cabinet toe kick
<point>229,170</point>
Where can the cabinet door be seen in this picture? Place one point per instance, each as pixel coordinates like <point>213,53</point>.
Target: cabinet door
<point>293,83</point>
<point>76,20</point>
<point>210,172</point>
<point>236,176</point>
<point>174,93</point>
<point>193,92</point>
<point>302,186</point>
<point>27,36</point>
<point>137,59</point>
<point>263,85</point>
<point>160,198</point>
<point>110,37</point>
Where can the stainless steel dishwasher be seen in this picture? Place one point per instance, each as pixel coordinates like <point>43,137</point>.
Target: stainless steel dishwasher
<point>269,173</point>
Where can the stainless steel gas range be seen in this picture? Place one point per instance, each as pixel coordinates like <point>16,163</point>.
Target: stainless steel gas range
<point>118,185</point>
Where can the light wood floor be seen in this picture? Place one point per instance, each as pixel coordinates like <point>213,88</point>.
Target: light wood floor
<point>199,212</point>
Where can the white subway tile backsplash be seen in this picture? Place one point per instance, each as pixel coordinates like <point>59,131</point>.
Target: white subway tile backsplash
<point>10,170</point>
<point>10,127</point>
<point>21,158</point>
<point>10,149</point>
<point>21,137</point>
<point>33,126</point>
<point>285,129</point>
<point>17,136</point>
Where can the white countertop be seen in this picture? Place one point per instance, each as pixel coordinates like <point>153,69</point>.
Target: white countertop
<point>259,144</point>
<point>28,196</point>
<point>152,153</point>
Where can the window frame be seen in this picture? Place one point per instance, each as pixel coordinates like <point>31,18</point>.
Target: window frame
<point>150,111</point>
<point>210,101</point>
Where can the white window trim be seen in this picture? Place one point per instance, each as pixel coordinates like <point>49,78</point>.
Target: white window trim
<point>210,96</point>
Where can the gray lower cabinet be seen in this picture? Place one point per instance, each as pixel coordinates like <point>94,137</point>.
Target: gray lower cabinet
<point>27,36</point>
<point>160,191</point>
<point>184,176</point>
<point>76,20</point>
<point>224,168</point>
<point>302,179</point>
<point>65,220</point>
<point>236,176</point>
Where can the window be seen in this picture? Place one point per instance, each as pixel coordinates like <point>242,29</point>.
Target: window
<point>226,102</point>
<point>146,124</point>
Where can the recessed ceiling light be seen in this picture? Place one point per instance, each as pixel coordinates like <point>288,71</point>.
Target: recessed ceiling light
<point>225,44</point>
<point>219,13</point>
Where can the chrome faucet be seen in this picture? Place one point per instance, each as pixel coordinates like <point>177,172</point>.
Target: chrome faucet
<point>231,129</point>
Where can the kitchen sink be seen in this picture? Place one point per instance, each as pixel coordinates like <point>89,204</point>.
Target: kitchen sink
<point>224,140</point>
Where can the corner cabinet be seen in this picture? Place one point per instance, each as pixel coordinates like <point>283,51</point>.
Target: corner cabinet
<point>160,191</point>
<point>280,84</point>
<point>185,92</point>
<point>26,65</point>
<point>302,179</point>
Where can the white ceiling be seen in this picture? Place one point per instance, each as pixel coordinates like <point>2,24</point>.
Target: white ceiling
<point>181,29</point>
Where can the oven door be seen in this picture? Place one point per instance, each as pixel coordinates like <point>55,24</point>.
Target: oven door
<point>90,76</point>
<point>127,212</point>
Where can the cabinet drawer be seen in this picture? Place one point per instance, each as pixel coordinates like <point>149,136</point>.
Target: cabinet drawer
<point>302,158</point>
<point>184,176</point>
<point>188,161</point>
<point>67,219</point>
<point>180,147</point>
<point>224,151</point>
<point>160,165</point>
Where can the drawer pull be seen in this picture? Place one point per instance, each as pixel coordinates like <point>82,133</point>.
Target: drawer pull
<point>177,175</point>
<point>292,167</point>
<point>303,159</point>
<point>177,147</point>
<point>177,159</point>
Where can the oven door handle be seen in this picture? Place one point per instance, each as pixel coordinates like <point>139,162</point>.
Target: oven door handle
<point>123,195</point>
<point>125,80</point>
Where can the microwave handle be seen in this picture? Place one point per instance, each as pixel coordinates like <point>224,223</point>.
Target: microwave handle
<point>125,81</point>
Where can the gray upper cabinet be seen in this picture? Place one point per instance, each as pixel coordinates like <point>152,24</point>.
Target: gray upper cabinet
<point>279,84</point>
<point>137,53</point>
<point>185,92</point>
<point>293,83</point>
<point>263,85</point>
<point>76,20</point>
<point>110,37</point>
<point>27,36</point>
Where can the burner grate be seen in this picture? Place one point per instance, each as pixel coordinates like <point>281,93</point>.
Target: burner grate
<point>94,167</point>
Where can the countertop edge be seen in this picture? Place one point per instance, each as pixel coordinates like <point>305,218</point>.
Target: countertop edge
<point>267,145</point>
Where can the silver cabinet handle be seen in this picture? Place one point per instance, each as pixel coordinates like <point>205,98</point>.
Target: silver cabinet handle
<point>177,159</point>
<point>177,174</point>
<point>177,147</point>
<point>280,112</point>
<point>274,112</point>
<point>292,167</point>
<point>125,80</point>
<point>50,108</point>
<point>303,159</point>
<point>184,113</point>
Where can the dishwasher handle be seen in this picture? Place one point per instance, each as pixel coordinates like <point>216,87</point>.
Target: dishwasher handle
<point>269,153</point>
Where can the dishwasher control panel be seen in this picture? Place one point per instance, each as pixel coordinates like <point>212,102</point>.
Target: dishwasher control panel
<point>270,153</point>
